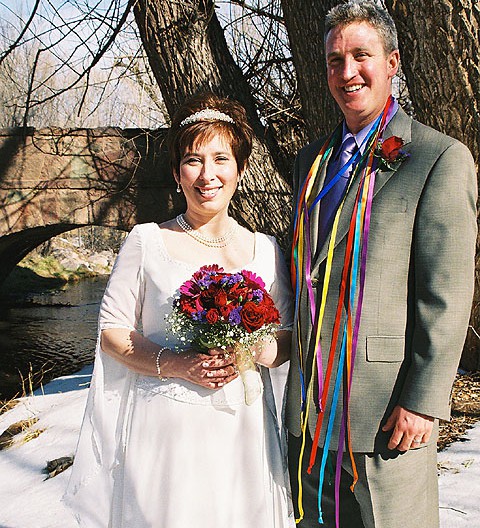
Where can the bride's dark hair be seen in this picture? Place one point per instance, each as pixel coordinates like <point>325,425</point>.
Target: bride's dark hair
<point>238,133</point>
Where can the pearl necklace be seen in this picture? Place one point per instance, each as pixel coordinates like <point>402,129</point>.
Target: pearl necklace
<point>218,242</point>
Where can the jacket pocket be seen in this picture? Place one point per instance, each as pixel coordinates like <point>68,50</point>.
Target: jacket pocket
<point>389,349</point>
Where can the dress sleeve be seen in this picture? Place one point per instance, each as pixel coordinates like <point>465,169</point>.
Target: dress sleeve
<point>281,289</point>
<point>121,305</point>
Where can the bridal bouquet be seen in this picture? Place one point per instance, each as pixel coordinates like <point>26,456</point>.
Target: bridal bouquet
<point>216,309</point>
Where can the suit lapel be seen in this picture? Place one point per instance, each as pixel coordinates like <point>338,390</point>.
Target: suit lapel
<point>399,126</point>
<point>315,215</point>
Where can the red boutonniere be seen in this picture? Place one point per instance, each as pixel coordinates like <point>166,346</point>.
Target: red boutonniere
<point>390,152</point>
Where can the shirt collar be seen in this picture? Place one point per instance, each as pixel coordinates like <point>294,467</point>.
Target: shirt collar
<point>360,136</point>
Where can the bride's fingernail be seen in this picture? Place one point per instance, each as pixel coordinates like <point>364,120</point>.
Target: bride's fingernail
<point>204,364</point>
<point>220,384</point>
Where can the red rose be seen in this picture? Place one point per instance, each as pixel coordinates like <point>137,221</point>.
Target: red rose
<point>212,316</point>
<point>273,316</point>
<point>224,311</point>
<point>391,148</point>
<point>237,291</point>
<point>207,297</point>
<point>220,299</point>
<point>271,312</point>
<point>252,316</point>
<point>187,306</point>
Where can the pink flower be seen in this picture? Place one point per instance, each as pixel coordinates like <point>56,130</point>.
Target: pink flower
<point>252,280</point>
<point>189,288</point>
<point>204,270</point>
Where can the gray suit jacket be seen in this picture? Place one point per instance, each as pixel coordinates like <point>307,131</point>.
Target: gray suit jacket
<point>418,287</point>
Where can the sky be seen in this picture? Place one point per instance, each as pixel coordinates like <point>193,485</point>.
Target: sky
<point>67,36</point>
<point>27,500</point>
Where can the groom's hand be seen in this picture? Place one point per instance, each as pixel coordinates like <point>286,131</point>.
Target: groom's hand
<point>409,429</point>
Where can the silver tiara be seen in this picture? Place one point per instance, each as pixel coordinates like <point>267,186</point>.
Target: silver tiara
<point>207,114</point>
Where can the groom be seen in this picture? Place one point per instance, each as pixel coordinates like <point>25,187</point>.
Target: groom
<point>383,263</point>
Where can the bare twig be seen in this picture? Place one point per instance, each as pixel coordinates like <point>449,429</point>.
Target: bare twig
<point>22,33</point>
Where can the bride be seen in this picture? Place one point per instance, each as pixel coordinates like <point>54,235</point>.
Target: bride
<point>167,439</point>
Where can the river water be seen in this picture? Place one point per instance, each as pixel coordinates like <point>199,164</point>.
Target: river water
<point>48,334</point>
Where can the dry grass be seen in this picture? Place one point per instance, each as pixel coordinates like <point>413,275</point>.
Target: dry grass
<point>31,435</point>
<point>29,383</point>
<point>21,432</point>
<point>6,405</point>
<point>10,436</point>
<point>58,465</point>
<point>465,409</point>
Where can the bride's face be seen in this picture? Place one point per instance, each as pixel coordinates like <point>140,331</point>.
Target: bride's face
<point>209,176</point>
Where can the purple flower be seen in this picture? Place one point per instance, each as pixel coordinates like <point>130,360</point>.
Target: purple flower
<point>257,295</point>
<point>205,283</point>
<point>234,316</point>
<point>231,279</point>
<point>199,316</point>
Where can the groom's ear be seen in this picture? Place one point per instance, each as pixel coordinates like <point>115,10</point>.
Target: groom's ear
<point>393,63</point>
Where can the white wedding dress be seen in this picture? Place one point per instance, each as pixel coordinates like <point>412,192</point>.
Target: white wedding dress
<point>171,454</point>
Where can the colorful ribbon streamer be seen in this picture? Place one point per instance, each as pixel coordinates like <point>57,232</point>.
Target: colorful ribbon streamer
<point>353,278</point>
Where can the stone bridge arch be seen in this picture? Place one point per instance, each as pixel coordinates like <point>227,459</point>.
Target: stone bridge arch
<point>53,180</point>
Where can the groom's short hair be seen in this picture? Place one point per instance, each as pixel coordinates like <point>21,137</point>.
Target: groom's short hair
<point>357,11</point>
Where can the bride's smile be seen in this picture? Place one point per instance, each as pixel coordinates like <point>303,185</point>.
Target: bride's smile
<point>209,175</point>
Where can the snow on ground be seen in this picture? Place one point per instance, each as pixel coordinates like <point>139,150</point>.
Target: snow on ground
<point>27,500</point>
<point>459,482</point>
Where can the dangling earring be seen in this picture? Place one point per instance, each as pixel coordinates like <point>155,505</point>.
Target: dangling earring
<point>179,189</point>
<point>239,184</point>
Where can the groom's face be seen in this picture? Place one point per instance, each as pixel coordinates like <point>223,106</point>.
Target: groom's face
<point>359,72</point>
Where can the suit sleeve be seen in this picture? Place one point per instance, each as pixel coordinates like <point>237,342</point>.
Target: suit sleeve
<point>443,264</point>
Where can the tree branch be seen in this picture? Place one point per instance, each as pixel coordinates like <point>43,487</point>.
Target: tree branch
<point>101,52</point>
<point>22,33</point>
<point>258,11</point>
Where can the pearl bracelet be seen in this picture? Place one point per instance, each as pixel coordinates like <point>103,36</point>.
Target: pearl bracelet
<point>157,363</point>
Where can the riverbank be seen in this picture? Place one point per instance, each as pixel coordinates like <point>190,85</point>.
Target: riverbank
<point>60,261</point>
<point>47,334</point>
<point>49,308</point>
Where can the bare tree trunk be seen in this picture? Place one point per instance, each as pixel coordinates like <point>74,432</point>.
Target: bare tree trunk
<point>441,59</point>
<point>187,51</point>
<point>305,25</point>
<point>440,52</point>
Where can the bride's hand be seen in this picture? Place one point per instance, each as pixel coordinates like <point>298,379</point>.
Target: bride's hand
<point>213,370</point>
